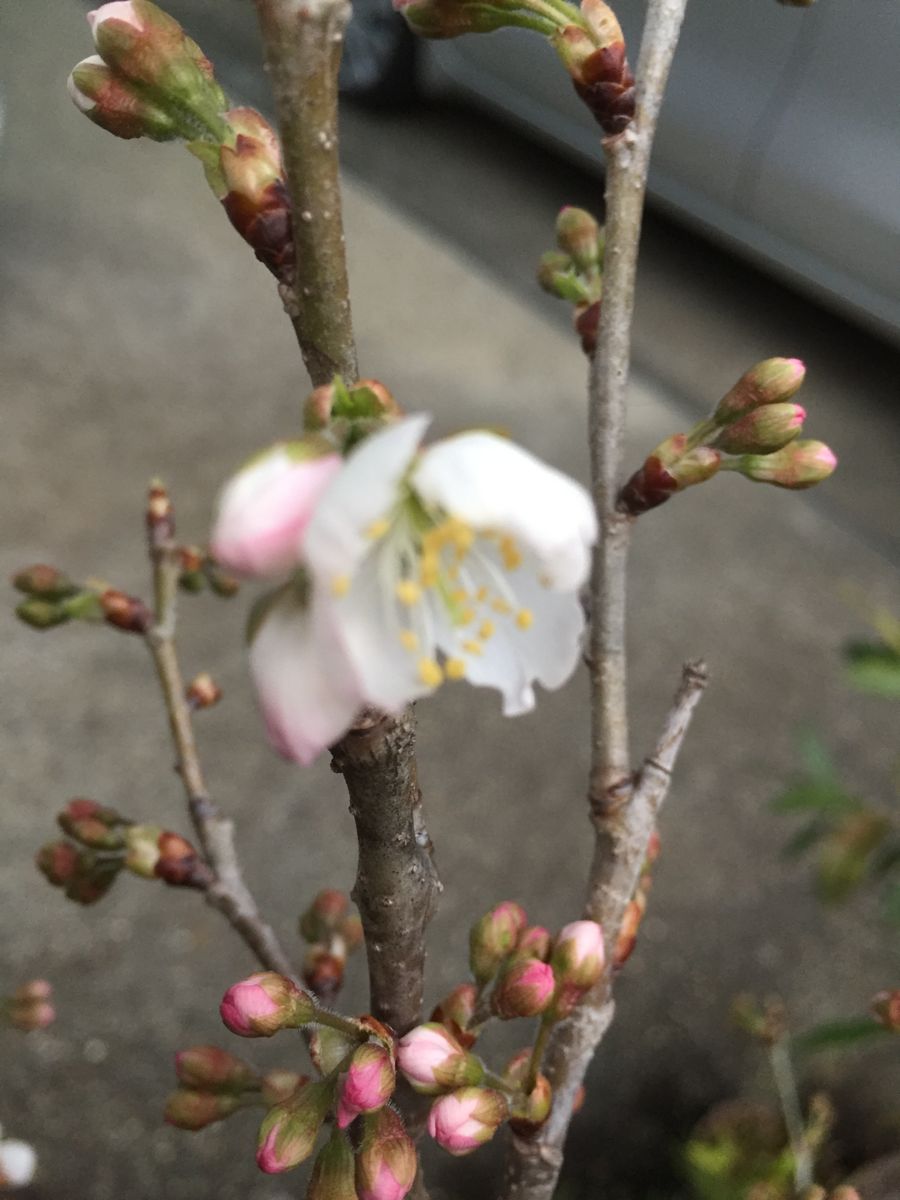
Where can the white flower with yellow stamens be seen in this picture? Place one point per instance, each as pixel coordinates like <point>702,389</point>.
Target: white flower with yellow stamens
<point>462,560</point>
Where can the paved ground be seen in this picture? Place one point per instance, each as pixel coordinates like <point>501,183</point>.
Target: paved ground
<point>136,337</point>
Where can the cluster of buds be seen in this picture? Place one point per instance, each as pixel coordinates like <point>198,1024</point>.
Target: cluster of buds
<point>588,39</point>
<point>149,79</point>
<point>752,431</point>
<point>18,1163</point>
<point>348,412</point>
<point>519,971</point>
<point>30,1007</point>
<point>199,571</point>
<point>332,932</point>
<point>101,842</point>
<point>51,599</point>
<point>356,1061</point>
<point>574,271</point>
<point>636,907</point>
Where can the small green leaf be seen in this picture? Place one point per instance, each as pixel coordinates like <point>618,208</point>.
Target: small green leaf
<point>812,794</point>
<point>874,667</point>
<point>836,1035</point>
<point>804,838</point>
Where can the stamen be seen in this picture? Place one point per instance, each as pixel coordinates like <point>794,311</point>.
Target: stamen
<point>501,607</point>
<point>409,639</point>
<point>430,570</point>
<point>408,592</point>
<point>430,672</point>
<point>510,553</point>
<point>455,668</point>
<point>472,648</point>
<point>481,595</point>
<point>524,618</point>
<point>378,529</point>
<point>340,585</point>
<point>486,630</point>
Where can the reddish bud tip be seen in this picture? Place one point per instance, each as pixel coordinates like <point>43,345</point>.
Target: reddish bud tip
<point>386,1162</point>
<point>525,989</point>
<point>203,692</point>
<point>467,1118</point>
<point>367,1085</point>
<point>179,864</point>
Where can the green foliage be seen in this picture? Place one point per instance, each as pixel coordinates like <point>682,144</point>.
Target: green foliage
<point>839,1035</point>
<point>738,1147</point>
<point>874,667</point>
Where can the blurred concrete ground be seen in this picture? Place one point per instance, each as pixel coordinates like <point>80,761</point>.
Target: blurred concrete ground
<point>137,336</point>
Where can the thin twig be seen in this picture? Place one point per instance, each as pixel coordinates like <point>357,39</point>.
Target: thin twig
<point>303,41</point>
<point>228,893</point>
<point>786,1086</point>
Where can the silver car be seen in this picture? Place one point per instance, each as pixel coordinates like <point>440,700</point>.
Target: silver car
<point>780,133</point>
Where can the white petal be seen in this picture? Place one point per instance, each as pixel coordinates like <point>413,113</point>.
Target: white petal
<point>551,646</point>
<point>116,10</point>
<point>491,483</point>
<point>307,689</point>
<point>18,1163</point>
<point>362,493</point>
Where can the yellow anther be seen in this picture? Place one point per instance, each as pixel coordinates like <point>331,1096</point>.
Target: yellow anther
<point>510,553</point>
<point>524,618</point>
<point>503,607</point>
<point>481,595</point>
<point>378,529</point>
<point>429,571</point>
<point>455,668</point>
<point>486,630</point>
<point>462,537</point>
<point>472,648</point>
<point>466,617</point>
<point>340,585</point>
<point>453,572</point>
<point>409,639</point>
<point>459,595</point>
<point>430,672</point>
<point>408,592</point>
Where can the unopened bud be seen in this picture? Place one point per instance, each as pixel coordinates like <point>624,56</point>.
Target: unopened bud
<point>798,465</point>
<point>333,1173</point>
<point>91,824</point>
<point>525,989</point>
<point>367,1085</point>
<point>117,106</point>
<point>189,1109</point>
<point>93,876</point>
<point>47,583</point>
<point>493,937</point>
<point>41,614</point>
<point>280,1085</point>
<point>288,1133</point>
<point>598,67</point>
<point>655,482</point>
<point>57,862</point>
<point>433,1061</point>
<point>579,236</point>
<point>528,1113</point>
<point>467,1118</point>
<point>557,275</point>
<point>323,971</point>
<point>587,326</point>
<point>203,692</point>
<point>578,954</point>
<point>265,1003</point>
<point>191,561</point>
<point>386,1162</point>
<point>886,1007</point>
<point>762,430</point>
<point>533,942</point>
<point>213,1070</point>
<point>769,382</point>
<point>324,915</point>
<point>628,931</point>
<point>365,400</point>
<point>179,863</point>
<point>450,18</point>
<point>125,612</point>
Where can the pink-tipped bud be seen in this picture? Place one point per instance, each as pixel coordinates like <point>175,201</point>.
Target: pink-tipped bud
<point>334,1171</point>
<point>265,1003</point>
<point>534,942</point>
<point>798,465</point>
<point>264,509</point>
<point>769,382</point>
<point>18,1163</point>
<point>433,1061</point>
<point>91,824</point>
<point>57,862</point>
<point>493,937</point>
<point>386,1161</point>
<point>525,989</point>
<point>628,932</point>
<point>189,1109</point>
<point>886,1007</point>
<point>214,1070</point>
<point>288,1133</point>
<point>763,429</point>
<point>657,480</point>
<point>324,915</point>
<point>116,106</point>
<point>579,236</point>
<point>578,954</point>
<point>465,1119</point>
<point>368,1084</point>
<point>528,1113</point>
<point>456,1011</point>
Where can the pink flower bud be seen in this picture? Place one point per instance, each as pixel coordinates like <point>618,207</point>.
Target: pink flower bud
<point>493,937</point>
<point>113,104</point>
<point>533,942</point>
<point>368,1084</point>
<point>214,1070</point>
<point>189,1109</point>
<point>18,1163</point>
<point>769,382</point>
<point>465,1119</point>
<point>265,1003</point>
<point>334,1171</point>
<point>797,465</point>
<point>762,430</point>
<point>288,1133</point>
<point>525,989</point>
<point>265,508</point>
<point>578,955</point>
<point>433,1060</point>
<point>386,1162</point>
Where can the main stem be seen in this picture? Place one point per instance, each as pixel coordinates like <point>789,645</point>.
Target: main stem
<point>303,41</point>
<point>622,814</point>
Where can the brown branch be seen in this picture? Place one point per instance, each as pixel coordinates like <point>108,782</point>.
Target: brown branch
<point>303,40</point>
<point>396,885</point>
<point>228,893</point>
